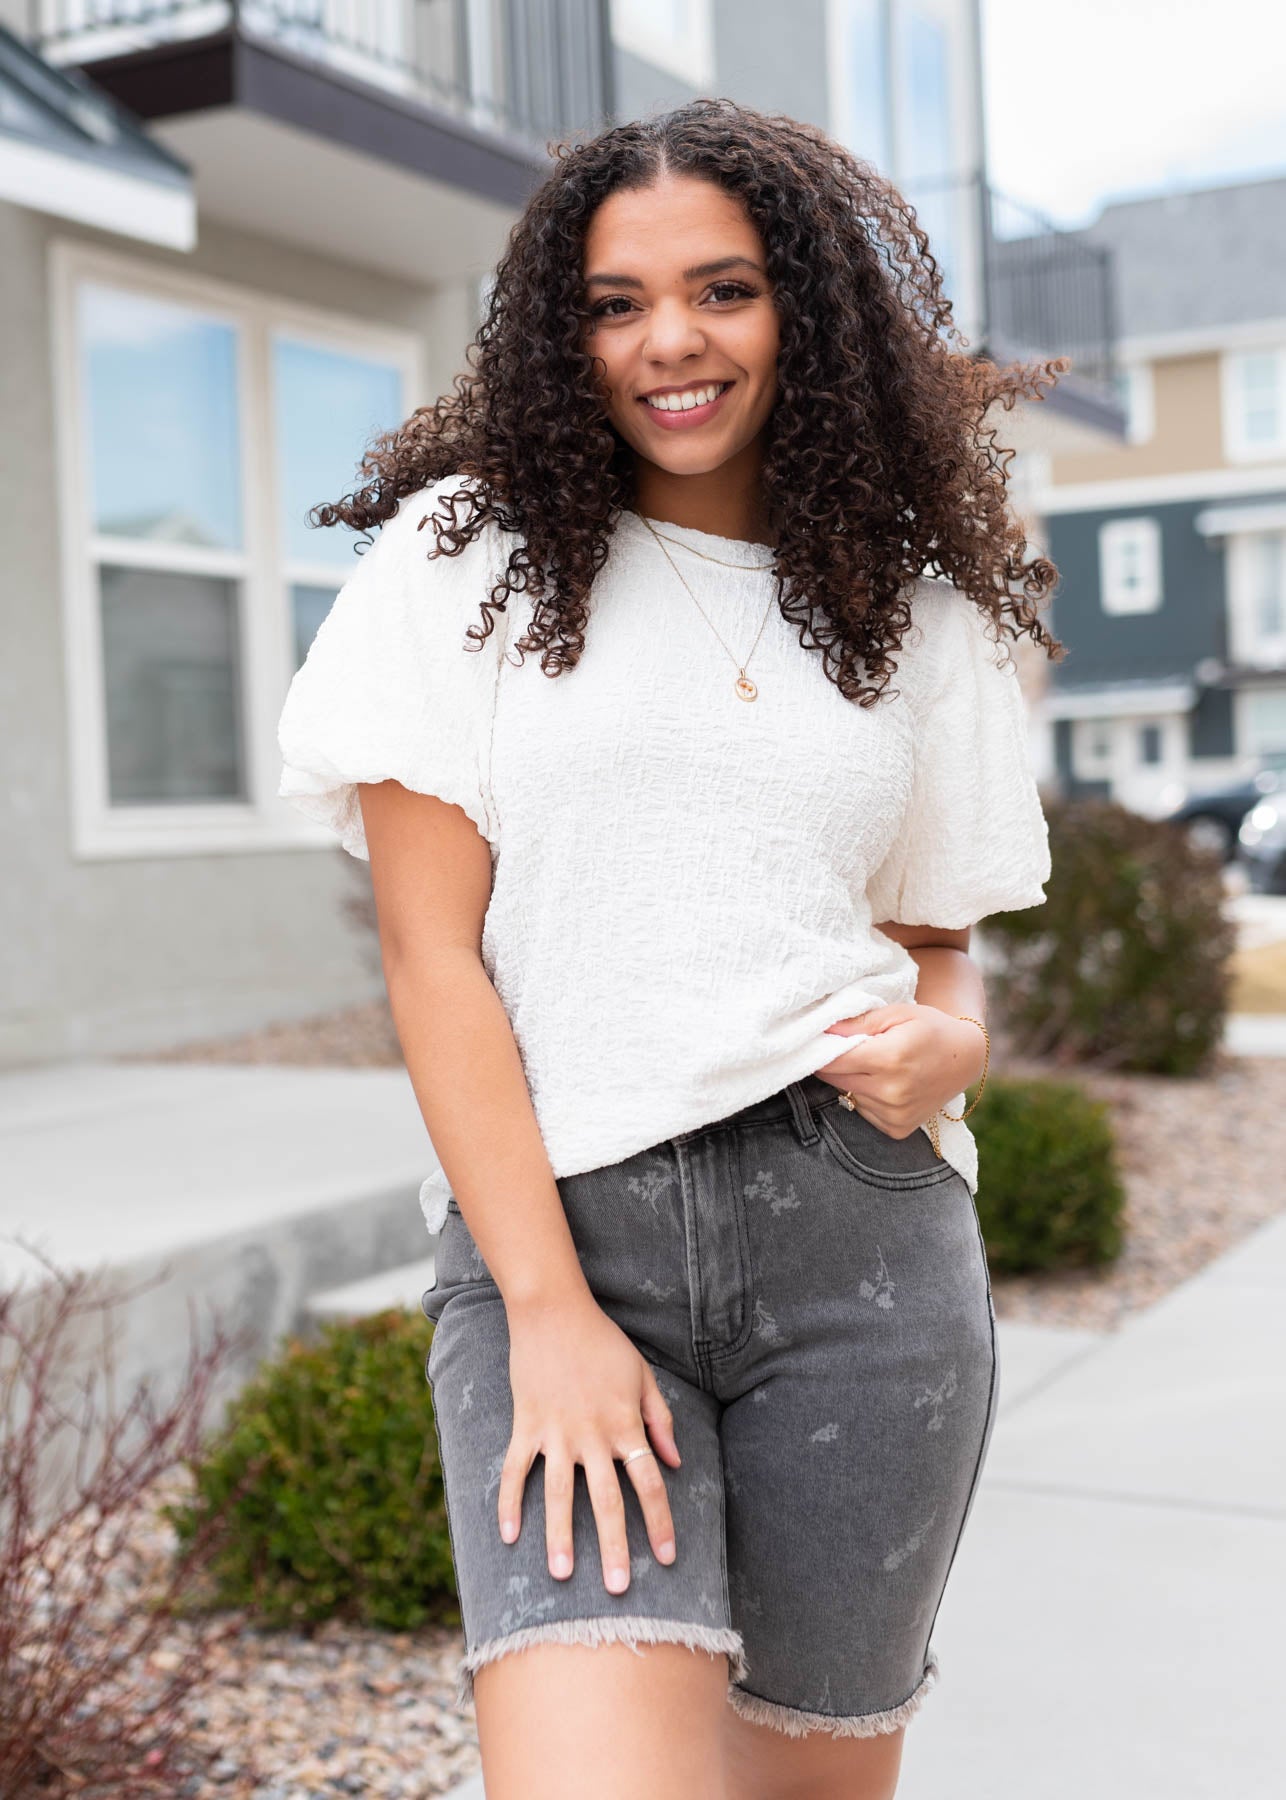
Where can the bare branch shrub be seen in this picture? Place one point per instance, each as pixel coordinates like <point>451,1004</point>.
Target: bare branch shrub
<point>90,1705</point>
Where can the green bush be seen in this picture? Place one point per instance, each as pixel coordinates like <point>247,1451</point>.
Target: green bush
<point>343,1511</point>
<point>1127,964</point>
<point>1049,1194</point>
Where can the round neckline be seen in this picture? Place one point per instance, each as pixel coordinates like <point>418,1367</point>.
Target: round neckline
<point>701,540</point>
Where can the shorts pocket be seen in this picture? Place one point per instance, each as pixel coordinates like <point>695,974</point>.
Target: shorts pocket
<point>873,1157</point>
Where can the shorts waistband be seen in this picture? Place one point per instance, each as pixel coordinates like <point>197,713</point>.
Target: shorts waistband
<point>797,1101</point>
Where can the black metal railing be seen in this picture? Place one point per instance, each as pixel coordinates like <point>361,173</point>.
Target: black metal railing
<point>1039,290</point>
<point>530,69</point>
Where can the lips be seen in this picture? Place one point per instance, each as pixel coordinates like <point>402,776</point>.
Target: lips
<point>684,418</point>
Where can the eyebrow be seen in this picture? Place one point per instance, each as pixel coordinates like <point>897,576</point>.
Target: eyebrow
<point>692,274</point>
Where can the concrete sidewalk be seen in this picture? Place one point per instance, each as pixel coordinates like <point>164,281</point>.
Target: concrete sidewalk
<point>1110,1626</point>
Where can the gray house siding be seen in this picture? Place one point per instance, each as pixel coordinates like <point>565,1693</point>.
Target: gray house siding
<point>100,954</point>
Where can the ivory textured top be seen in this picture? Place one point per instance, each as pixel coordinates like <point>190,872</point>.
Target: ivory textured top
<point>684,883</point>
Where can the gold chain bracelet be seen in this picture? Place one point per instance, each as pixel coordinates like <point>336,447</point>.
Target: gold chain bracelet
<point>931,1124</point>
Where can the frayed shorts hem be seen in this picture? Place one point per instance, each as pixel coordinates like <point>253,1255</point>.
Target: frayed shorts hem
<point>796,1721</point>
<point>611,1629</point>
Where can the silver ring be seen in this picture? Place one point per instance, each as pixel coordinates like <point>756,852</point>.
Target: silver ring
<point>629,1457</point>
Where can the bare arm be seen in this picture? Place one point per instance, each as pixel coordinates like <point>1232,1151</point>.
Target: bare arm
<point>950,980</point>
<point>582,1391</point>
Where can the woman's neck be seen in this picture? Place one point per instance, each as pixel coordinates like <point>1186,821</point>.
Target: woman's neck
<point>720,503</point>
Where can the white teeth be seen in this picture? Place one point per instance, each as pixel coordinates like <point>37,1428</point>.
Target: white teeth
<point>685,402</point>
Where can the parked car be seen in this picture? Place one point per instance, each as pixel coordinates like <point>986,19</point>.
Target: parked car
<point>1213,818</point>
<point>1261,843</point>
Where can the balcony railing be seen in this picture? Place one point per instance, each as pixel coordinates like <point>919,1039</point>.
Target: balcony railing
<point>527,69</point>
<point>1021,286</point>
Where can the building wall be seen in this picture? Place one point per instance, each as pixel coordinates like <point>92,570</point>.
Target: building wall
<point>1189,624</point>
<point>141,952</point>
<point>1187,435</point>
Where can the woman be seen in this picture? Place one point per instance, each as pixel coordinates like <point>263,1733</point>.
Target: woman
<point>650,903</point>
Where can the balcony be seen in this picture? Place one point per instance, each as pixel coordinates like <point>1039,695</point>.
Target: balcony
<point>368,122</point>
<point>1024,289</point>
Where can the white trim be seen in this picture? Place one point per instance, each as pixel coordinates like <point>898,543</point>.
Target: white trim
<point>1237,446</point>
<point>1126,545</point>
<point>1203,340</point>
<point>1224,521</point>
<point>689,55</point>
<point>1144,700</point>
<point>71,187</point>
<point>265,628</point>
<point>1160,490</point>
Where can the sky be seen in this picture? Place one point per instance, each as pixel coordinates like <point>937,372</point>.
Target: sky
<point>1108,99</point>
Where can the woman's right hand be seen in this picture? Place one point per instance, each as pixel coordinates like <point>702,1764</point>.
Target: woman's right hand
<point>583,1393</point>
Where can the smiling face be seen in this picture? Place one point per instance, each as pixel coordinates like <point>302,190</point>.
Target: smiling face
<point>685,328</point>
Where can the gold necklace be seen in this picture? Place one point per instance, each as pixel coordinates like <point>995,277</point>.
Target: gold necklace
<point>744,687</point>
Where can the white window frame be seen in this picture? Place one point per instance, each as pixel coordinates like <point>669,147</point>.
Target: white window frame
<point>265,626</point>
<point>1143,536</point>
<point>1246,644</point>
<point>1237,447</point>
<point>688,54</point>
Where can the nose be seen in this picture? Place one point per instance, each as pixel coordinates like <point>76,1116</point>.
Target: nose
<point>673,332</point>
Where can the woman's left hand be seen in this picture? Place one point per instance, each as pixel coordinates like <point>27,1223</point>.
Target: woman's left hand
<point>916,1059</point>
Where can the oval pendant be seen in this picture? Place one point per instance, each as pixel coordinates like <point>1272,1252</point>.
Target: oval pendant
<point>746,687</point>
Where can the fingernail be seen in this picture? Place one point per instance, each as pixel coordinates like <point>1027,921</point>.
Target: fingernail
<point>666,1551</point>
<point>617,1579</point>
<point>562,1563</point>
<point>509,1531</point>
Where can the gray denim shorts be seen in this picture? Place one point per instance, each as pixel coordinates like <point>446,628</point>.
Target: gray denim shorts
<point>814,1299</point>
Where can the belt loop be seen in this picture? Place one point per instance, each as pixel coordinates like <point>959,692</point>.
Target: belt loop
<point>801,1115</point>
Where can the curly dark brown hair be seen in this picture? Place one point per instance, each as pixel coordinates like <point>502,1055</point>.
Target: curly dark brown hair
<point>878,466</point>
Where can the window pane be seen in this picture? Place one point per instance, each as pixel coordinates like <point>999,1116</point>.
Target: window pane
<point>866,77</point>
<point>161,389</point>
<point>170,656</point>
<point>308,607</point>
<point>328,406</point>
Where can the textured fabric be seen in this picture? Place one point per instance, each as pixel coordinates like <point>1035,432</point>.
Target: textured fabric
<point>813,1298</point>
<point>685,884</point>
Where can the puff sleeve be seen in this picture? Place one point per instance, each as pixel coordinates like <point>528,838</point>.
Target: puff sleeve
<point>974,840</point>
<point>390,689</point>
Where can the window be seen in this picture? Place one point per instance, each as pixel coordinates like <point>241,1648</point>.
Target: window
<point>200,422</point>
<point>860,75</point>
<point>1149,743</point>
<point>1254,404</point>
<point>1134,389</point>
<point>1262,724</point>
<point>1257,598</point>
<point>676,35</point>
<point>1130,565</point>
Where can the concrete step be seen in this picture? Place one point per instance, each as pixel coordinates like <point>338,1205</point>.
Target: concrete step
<point>194,1192</point>
<point>401,1286</point>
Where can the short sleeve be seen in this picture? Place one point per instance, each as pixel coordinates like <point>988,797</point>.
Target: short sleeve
<point>974,840</point>
<point>390,688</point>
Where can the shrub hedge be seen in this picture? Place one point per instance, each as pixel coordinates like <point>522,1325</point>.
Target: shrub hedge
<point>1128,963</point>
<point>343,1511</point>
<point>1050,1194</point>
